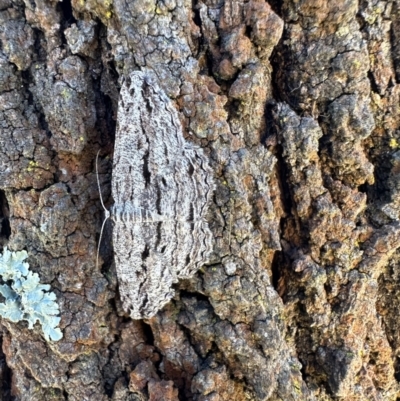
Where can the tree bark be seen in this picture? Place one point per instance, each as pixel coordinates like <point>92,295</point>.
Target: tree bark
<point>296,104</point>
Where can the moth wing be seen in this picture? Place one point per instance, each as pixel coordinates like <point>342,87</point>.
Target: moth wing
<point>157,171</point>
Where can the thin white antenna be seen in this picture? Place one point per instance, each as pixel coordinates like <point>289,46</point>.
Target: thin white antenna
<point>106,212</point>
<point>230,222</point>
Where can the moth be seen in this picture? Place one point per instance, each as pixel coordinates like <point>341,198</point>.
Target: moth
<point>162,186</point>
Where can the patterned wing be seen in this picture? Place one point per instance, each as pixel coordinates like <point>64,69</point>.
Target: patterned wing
<point>162,187</point>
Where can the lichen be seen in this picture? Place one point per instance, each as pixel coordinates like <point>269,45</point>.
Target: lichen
<point>25,298</point>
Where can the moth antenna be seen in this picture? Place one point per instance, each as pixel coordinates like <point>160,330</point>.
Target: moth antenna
<point>230,223</point>
<point>101,234</point>
<point>106,212</point>
<point>98,184</point>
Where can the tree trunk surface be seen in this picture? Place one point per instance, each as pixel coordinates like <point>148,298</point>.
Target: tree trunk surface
<point>296,104</point>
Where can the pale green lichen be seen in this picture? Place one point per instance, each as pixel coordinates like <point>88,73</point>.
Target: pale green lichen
<point>25,297</point>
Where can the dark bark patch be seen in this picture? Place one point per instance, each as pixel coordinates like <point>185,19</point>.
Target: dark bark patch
<point>5,229</point>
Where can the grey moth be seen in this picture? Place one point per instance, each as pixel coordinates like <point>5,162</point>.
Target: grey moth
<point>162,186</point>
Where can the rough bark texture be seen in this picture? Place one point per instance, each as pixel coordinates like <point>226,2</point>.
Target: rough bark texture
<point>296,104</point>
